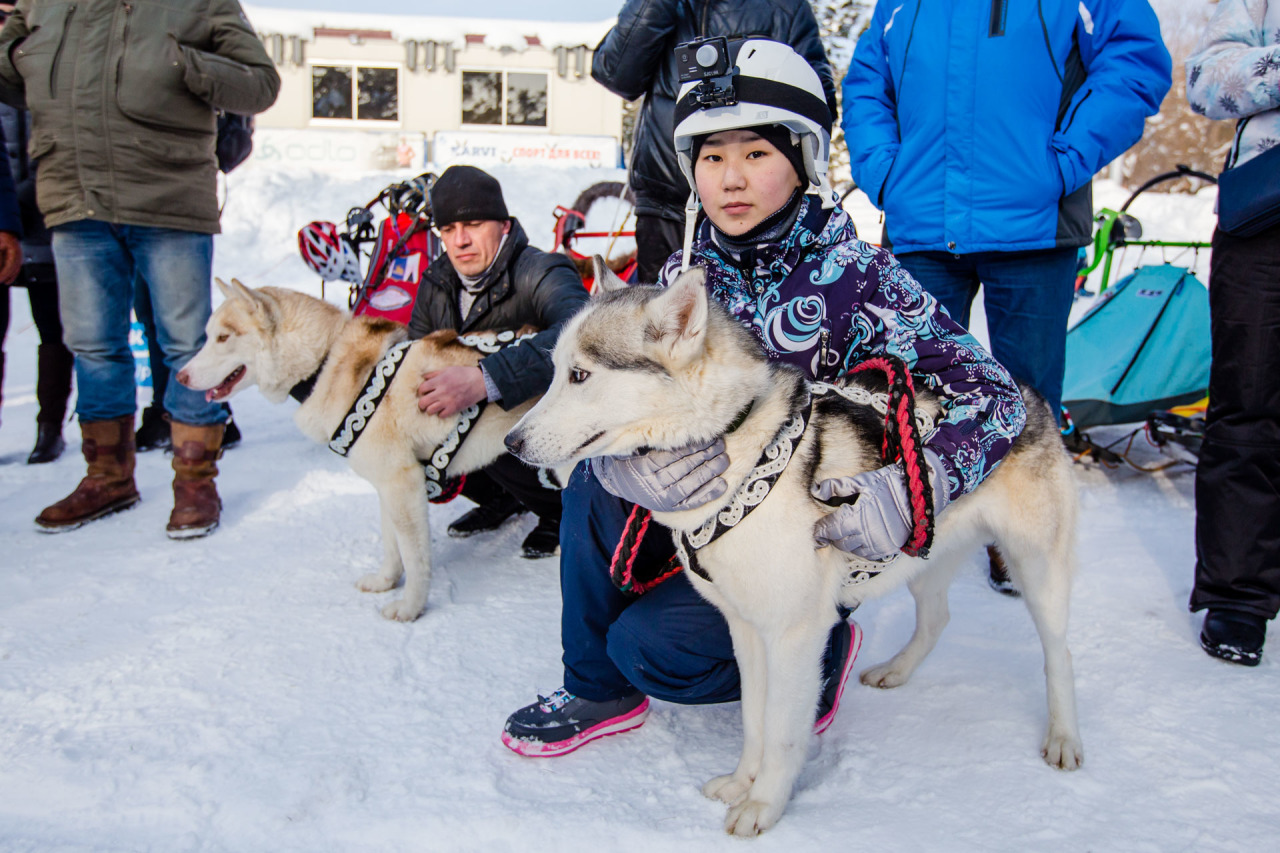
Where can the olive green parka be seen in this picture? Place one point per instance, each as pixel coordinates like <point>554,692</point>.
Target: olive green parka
<point>123,97</point>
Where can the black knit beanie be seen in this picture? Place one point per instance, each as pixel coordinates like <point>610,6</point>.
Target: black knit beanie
<point>466,194</point>
<point>776,135</point>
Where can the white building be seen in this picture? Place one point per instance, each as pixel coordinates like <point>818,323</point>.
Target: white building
<point>381,91</point>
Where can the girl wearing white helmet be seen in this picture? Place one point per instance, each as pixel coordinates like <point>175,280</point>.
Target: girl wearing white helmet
<point>753,139</point>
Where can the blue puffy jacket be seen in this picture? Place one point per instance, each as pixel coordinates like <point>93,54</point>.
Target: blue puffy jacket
<point>977,125</point>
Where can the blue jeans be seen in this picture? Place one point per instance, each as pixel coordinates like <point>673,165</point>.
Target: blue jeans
<point>96,263</point>
<point>1028,297</point>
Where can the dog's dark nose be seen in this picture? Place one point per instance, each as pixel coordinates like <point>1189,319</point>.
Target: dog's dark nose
<point>184,378</point>
<point>514,442</point>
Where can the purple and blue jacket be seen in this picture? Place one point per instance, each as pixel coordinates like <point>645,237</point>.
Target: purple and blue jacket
<point>822,300</point>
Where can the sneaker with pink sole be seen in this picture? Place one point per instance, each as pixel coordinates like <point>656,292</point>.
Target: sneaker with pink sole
<point>562,722</point>
<point>843,653</point>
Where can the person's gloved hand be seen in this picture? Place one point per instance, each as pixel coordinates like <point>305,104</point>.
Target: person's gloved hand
<point>879,522</point>
<point>666,480</point>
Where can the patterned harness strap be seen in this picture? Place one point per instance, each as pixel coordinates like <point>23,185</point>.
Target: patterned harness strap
<point>749,495</point>
<point>440,489</point>
<point>904,426</point>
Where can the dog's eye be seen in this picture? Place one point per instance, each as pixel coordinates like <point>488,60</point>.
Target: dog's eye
<point>578,375</point>
<point>223,338</point>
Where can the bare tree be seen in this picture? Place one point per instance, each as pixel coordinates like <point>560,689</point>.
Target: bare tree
<point>1177,135</point>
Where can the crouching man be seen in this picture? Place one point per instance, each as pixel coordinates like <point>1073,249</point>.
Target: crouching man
<point>491,278</point>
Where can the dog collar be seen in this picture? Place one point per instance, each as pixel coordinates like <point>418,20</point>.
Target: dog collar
<point>303,389</point>
<point>741,418</point>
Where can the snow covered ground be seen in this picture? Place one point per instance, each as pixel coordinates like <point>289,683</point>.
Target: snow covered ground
<point>237,693</point>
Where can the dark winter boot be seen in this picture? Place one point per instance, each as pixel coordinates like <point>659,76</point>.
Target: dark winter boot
<point>562,722</point>
<point>153,432</point>
<point>490,515</point>
<point>54,365</point>
<point>542,541</point>
<point>49,444</point>
<point>1234,636</point>
<point>230,436</point>
<point>109,487</point>
<point>998,574</point>
<point>196,506</point>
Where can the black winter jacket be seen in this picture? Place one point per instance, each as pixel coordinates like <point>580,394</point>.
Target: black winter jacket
<point>637,57</point>
<point>526,286</point>
<point>35,237</point>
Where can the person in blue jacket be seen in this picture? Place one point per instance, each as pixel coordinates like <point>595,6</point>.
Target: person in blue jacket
<point>977,127</point>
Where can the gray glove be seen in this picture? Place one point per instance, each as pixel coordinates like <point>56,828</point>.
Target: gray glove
<point>666,480</point>
<point>879,522</point>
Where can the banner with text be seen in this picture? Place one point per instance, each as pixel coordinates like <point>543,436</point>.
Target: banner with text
<point>522,149</point>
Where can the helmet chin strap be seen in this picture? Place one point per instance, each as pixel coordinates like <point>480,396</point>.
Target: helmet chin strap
<point>690,221</point>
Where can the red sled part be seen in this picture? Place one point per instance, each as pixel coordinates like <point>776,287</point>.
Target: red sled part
<point>567,224</point>
<point>404,248</point>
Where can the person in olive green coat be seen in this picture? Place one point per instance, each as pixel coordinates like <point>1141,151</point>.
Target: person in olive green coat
<point>123,96</point>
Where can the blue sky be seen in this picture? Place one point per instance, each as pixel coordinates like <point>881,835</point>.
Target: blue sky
<point>555,10</point>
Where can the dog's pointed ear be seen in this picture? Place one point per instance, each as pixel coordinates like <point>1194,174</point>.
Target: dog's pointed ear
<point>224,287</point>
<point>605,280</point>
<point>678,318</point>
<point>238,290</point>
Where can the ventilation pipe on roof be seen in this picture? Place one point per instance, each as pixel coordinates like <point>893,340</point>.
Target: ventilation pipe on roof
<point>275,47</point>
<point>449,58</point>
<point>580,61</point>
<point>429,56</point>
<point>562,61</point>
<point>411,55</point>
<point>296,50</point>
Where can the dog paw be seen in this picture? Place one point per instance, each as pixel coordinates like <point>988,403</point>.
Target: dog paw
<point>884,676</point>
<point>752,818</point>
<point>374,582</point>
<point>1063,751</point>
<point>727,789</point>
<point>401,611</point>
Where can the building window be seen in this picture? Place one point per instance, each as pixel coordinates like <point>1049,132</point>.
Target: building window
<point>504,97</point>
<point>338,91</point>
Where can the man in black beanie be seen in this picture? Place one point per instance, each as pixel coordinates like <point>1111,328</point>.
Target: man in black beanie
<point>491,278</point>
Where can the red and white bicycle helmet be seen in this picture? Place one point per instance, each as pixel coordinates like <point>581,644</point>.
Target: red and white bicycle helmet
<point>330,255</point>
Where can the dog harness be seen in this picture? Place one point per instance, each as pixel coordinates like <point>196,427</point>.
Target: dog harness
<point>440,489</point>
<point>904,426</point>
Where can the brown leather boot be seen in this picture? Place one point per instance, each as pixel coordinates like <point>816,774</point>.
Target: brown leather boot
<point>196,507</point>
<point>109,487</point>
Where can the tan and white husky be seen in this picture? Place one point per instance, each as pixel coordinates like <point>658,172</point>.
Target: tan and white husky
<point>276,339</point>
<point>645,367</point>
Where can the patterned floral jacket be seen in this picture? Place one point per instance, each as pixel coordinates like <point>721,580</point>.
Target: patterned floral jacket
<point>1235,73</point>
<point>823,300</point>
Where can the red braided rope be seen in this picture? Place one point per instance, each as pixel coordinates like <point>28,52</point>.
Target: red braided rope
<point>901,441</point>
<point>452,487</point>
<point>624,556</point>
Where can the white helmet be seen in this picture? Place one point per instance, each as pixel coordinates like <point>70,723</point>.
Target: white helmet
<point>771,84</point>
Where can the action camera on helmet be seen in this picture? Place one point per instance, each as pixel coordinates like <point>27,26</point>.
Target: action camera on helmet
<point>708,63</point>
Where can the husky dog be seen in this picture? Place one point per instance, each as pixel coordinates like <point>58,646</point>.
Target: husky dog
<point>280,339</point>
<point>644,367</point>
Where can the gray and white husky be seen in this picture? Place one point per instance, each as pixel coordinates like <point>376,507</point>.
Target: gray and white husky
<point>648,367</point>
<point>276,339</point>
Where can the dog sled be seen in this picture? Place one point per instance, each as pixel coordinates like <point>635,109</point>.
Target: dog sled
<point>383,264</point>
<point>616,244</point>
<point>1141,354</point>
